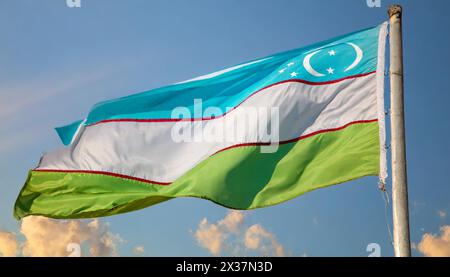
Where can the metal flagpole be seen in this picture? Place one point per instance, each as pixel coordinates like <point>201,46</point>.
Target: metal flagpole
<point>400,216</point>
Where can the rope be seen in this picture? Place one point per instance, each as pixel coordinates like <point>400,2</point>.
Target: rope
<point>385,196</point>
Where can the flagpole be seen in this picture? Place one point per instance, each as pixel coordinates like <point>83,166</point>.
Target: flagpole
<point>400,216</point>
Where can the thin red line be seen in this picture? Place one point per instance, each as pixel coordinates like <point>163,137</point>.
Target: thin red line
<point>227,112</point>
<point>230,147</point>
<point>105,173</point>
<point>298,138</point>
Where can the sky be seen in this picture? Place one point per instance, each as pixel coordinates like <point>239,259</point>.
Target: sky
<point>56,62</point>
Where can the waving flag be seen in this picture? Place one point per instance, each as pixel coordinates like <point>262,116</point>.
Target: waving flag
<point>245,137</point>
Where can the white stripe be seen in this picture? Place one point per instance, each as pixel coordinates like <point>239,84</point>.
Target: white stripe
<point>146,150</point>
<point>380,101</point>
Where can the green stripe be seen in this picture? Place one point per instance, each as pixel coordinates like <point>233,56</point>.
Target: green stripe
<point>239,178</point>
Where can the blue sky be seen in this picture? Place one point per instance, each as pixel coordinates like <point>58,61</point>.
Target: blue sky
<point>56,62</point>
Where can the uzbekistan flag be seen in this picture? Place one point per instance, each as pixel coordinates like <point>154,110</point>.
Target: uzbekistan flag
<point>249,136</point>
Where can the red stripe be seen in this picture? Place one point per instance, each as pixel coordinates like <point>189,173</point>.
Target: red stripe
<point>233,146</point>
<point>105,173</point>
<point>248,97</point>
<point>298,138</point>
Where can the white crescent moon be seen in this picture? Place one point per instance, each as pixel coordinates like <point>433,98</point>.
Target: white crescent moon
<point>359,56</point>
<point>308,67</point>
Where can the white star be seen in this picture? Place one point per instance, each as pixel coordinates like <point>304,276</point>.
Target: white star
<point>332,53</point>
<point>330,70</point>
<point>290,64</point>
<point>282,70</point>
<point>294,74</point>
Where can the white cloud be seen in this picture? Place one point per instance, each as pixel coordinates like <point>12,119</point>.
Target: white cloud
<point>259,239</point>
<point>210,236</point>
<point>230,236</point>
<point>436,245</point>
<point>442,213</point>
<point>232,221</point>
<point>45,237</point>
<point>8,244</point>
<point>139,250</point>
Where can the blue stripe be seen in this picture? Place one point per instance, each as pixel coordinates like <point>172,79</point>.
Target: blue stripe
<point>231,88</point>
<point>67,132</point>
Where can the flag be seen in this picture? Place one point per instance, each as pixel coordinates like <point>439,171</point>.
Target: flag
<point>249,136</point>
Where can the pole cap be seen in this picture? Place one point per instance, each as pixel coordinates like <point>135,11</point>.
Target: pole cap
<point>394,9</point>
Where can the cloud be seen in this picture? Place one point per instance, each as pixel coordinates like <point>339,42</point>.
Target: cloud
<point>45,237</point>
<point>210,236</point>
<point>8,244</point>
<point>259,239</point>
<point>230,236</point>
<point>436,245</point>
<point>139,250</point>
<point>442,213</point>
<point>232,221</point>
